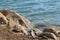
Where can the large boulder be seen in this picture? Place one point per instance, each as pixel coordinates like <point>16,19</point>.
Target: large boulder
<point>16,27</point>
<point>16,22</point>
<point>13,16</point>
<point>12,25</point>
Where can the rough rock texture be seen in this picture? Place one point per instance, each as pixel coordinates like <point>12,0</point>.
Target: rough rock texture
<point>16,27</point>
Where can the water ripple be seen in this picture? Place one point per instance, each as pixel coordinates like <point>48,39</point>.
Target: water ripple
<point>35,10</point>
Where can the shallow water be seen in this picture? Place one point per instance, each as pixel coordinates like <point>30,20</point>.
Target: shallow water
<point>35,10</point>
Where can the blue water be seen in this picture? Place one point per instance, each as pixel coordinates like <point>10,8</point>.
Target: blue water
<point>35,10</point>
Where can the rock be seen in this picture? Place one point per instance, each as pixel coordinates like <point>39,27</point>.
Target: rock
<point>52,29</point>
<point>25,30</point>
<point>15,23</point>
<point>58,33</point>
<point>15,16</point>
<point>25,22</point>
<point>3,19</point>
<point>33,34</point>
<point>15,19</point>
<point>49,29</point>
<point>47,35</point>
<point>37,31</point>
<point>16,27</point>
<point>42,24</point>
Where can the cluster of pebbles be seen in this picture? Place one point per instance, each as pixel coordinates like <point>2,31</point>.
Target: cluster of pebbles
<point>13,25</point>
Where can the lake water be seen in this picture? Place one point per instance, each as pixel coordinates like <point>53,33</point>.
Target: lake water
<point>35,10</point>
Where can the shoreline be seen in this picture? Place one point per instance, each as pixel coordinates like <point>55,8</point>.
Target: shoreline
<point>16,27</point>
